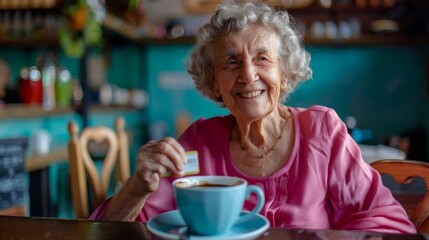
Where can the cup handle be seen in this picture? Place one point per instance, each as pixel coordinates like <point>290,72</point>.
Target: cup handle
<point>261,200</point>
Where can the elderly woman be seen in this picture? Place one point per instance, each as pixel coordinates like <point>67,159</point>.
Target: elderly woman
<point>249,59</point>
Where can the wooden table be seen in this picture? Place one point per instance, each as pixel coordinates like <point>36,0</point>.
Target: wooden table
<point>35,228</point>
<point>42,161</point>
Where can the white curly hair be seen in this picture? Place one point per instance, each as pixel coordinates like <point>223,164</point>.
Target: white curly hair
<point>236,17</point>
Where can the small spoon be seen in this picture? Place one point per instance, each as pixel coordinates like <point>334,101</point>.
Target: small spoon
<point>184,233</point>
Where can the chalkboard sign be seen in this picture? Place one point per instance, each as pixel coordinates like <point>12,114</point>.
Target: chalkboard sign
<point>13,180</point>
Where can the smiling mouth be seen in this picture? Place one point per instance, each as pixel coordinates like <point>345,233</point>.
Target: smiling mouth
<point>250,94</point>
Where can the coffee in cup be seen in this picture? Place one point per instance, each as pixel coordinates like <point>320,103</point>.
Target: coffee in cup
<point>211,205</point>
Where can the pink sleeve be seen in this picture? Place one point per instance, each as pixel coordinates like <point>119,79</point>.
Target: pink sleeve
<point>98,213</point>
<point>358,197</point>
<point>158,202</point>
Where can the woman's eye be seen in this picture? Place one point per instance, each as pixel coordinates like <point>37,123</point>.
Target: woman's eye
<point>262,58</point>
<point>232,61</point>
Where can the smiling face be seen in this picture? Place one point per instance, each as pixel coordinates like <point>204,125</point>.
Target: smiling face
<point>247,72</point>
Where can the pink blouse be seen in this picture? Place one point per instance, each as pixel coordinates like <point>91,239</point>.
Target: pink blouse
<point>325,183</point>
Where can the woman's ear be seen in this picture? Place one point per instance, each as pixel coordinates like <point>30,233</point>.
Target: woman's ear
<point>216,90</point>
<point>283,84</point>
<point>217,93</point>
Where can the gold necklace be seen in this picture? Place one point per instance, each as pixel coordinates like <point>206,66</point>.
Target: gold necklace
<point>270,149</point>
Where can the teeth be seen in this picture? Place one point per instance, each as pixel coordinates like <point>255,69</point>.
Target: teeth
<point>251,94</point>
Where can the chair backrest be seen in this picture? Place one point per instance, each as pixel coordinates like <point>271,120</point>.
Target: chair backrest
<point>83,168</point>
<point>403,172</point>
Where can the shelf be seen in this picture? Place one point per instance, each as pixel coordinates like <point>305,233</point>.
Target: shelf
<point>118,25</point>
<point>339,8</point>
<point>126,32</point>
<point>29,43</point>
<point>367,40</point>
<point>372,40</point>
<point>97,108</point>
<point>24,5</point>
<point>166,41</point>
<point>13,111</point>
<point>130,32</point>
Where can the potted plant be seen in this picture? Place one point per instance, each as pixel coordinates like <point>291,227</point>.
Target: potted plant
<point>82,27</point>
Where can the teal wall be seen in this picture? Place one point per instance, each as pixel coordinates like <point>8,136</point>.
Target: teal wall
<point>170,88</point>
<point>126,66</point>
<point>384,88</point>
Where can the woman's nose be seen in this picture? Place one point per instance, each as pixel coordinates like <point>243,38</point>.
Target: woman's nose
<point>248,72</point>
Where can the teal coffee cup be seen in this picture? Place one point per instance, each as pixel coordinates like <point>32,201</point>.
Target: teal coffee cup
<point>211,205</point>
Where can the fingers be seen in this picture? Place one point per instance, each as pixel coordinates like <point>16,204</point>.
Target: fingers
<point>174,151</point>
<point>161,156</point>
<point>154,159</point>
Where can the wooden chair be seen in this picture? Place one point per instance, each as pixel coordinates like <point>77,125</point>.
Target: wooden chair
<point>403,172</point>
<point>82,165</point>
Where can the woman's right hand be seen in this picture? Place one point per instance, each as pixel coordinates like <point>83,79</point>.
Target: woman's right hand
<point>154,159</point>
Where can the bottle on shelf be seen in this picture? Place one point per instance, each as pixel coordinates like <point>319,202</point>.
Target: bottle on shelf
<point>48,77</point>
<point>30,86</point>
<point>63,88</point>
